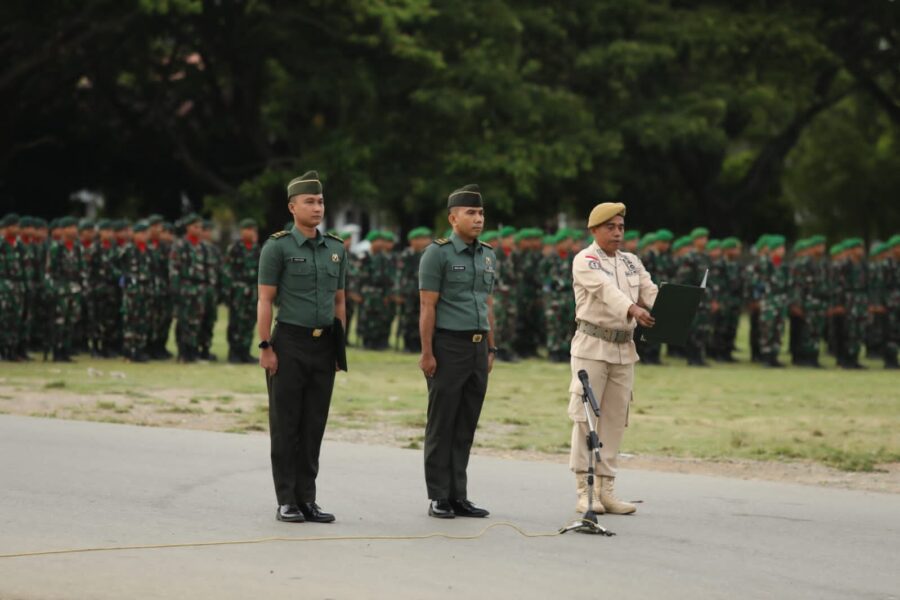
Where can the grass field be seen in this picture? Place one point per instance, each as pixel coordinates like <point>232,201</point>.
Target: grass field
<point>848,420</point>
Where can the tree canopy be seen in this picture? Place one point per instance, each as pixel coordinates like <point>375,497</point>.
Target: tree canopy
<point>744,116</point>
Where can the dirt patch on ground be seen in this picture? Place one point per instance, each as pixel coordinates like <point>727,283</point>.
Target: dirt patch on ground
<point>246,413</point>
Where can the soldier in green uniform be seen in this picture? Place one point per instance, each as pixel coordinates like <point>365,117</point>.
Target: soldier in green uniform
<point>891,274</point>
<point>136,280</point>
<point>160,301</point>
<point>526,292</point>
<point>691,270</point>
<point>631,241</point>
<point>407,288</point>
<point>303,272</point>
<point>64,277</point>
<point>41,321</point>
<point>354,264</point>
<point>808,298</point>
<point>106,297</point>
<point>187,278</point>
<point>241,277</point>
<point>212,257</point>
<point>456,278</point>
<point>856,300</point>
<point>773,304</point>
<point>753,288</point>
<point>730,298</point>
<point>28,256</point>
<point>558,298</point>
<point>504,304</point>
<point>376,284</point>
<point>12,296</point>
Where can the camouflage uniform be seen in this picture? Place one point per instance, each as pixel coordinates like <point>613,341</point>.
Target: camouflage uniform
<point>559,304</point>
<point>42,320</point>
<point>160,301</point>
<point>691,269</point>
<point>64,278</point>
<point>351,285</point>
<point>187,278</point>
<point>809,292</point>
<point>13,306</point>
<point>211,292</point>
<point>753,289</point>
<point>136,280</point>
<point>526,294</point>
<point>376,314</point>
<point>775,280</point>
<point>891,283</point>
<point>717,288</point>
<point>407,289</point>
<point>240,288</point>
<point>504,305</point>
<point>106,296</point>
<point>857,303</point>
<point>730,303</point>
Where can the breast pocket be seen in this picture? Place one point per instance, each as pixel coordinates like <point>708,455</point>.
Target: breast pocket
<point>303,276</point>
<point>634,286</point>
<point>488,278</point>
<point>460,278</point>
<point>332,274</point>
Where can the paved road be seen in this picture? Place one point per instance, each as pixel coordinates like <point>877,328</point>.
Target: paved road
<point>69,484</point>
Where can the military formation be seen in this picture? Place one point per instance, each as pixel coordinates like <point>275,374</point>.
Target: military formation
<point>113,288</point>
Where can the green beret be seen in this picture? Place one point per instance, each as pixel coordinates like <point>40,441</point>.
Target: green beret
<point>7,220</point>
<point>893,241</point>
<point>816,240</point>
<point>155,219</point>
<point>247,224</point>
<point>631,234</point>
<point>507,231</point>
<point>190,219</point>
<point>548,240</point>
<point>489,236</point>
<point>168,226</point>
<point>681,243</point>
<point>418,232</point>
<point>648,239</point>
<point>519,236</point>
<point>664,235</point>
<point>878,249</point>
<point>40,223</point>
<point>308,183</point>
<point>577,234</point>
<point>66,222</point>
<point>26,221</point>
<point>467,195</point>
<point>140,226</point>
<point>102,223</point>
<point>345,235</point>
<point>836,249</point>
<point>373,235</point>
<point>776,241</point>
<point>85,224</point>
<point>801,244</point>
<point>699,232</point>
<point>713,245</point>
<point>729,243</point>
<point>853,242</point>
<point>388,236</point>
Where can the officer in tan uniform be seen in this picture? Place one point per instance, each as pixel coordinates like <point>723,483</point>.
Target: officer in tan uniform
<point>613,294</point>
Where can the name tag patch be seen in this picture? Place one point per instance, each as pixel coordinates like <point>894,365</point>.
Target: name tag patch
<point>297,259</point>
<point>457,267</point>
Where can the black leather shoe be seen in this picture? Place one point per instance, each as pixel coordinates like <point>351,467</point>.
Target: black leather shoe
<point>441,509</point>
<point>314,514</point>
<point>464,508</point>
<point>289,513</point>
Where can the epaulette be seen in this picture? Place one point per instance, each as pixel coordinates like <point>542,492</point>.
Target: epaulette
<point>334,237</point>
<point>278,235</point>
<point>442,241</point>
<point>486,245</point>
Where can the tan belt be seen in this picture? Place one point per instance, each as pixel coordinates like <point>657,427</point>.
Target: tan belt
<point>615,336</point>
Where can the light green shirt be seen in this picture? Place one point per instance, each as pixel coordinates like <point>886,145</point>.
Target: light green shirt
<point>464,276</point>
<point>307,272</point>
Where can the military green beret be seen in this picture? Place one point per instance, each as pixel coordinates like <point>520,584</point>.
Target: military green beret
<point>776,241</point>
<point>103,224</point>
<point>893,241</point>
<point>549,240</point>
<point>85,224</point>
<point>247,224</point>
<point>713,245</point>
<point>802,244</point>
<point>345,235</point>
<point>66,222</point>
<point>877,249</point>
<point>26,221</point>
<point>140,226</point>
<point>9,219</point>
<point>681,243</point>
<point>190,219</point>
<point>373,235</point>
<point>467,195</point>
<point>817,240</point>
<point>418,232</point>
<point>729,243</point>
<point>853,242</point>
<point>699,232</point>
<point>168,226</point>
<point>631,234</point>
<point>40,223</point>
<point>154,219</point>
<point>507,231</point>
<point>388,236</point>
<point>489,236</point>
<point>645,241</point>
<point>308,183</point>
<point>519,236</point>
<point>577,234</point>
<point>664,235</point>
<point>836,249</point>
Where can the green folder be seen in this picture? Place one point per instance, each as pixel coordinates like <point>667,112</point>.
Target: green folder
<point>674,311</point>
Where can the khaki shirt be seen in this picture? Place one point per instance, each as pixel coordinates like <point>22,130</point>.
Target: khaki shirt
<point>605,288</point>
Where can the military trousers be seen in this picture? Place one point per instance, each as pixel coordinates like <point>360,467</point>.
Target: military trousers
<point>299,399</point>
<point>612,385</point>
<point>455,397</point>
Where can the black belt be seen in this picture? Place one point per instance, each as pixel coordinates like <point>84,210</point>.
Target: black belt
<point>473,336</point>
<point>306,331</point>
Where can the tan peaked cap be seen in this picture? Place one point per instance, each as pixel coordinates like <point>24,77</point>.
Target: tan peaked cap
<point>604,212</point>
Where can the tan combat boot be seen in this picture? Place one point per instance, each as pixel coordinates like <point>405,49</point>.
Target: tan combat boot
<point>608,497</point>
<point>582,486</point>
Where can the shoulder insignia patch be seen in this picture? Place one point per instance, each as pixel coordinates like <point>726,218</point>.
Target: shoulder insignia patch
<point>278,235</point>
<point>442,241</point>
<point>334,237</point>
<point>486,245</point>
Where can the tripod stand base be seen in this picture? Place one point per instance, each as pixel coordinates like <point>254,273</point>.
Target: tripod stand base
<point>587,524</point>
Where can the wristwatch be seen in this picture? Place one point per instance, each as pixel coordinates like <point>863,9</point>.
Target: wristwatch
<point>264,344</point>
<point>493,349</point>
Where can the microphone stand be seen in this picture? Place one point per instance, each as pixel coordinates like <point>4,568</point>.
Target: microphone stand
<point>588,523</point>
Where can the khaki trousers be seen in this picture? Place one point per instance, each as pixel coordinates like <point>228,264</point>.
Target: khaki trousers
<point>612,385</point>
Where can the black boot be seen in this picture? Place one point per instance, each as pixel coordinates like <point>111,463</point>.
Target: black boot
<point>234,358</point>
<point>771,360</point>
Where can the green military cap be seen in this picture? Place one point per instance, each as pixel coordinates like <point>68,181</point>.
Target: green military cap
<point>729,243</point>
<point>713,245</point>
<point>645,241</point>
<point>519,236</point>
<point>467,195</point>
<point>893,241</point>
<point>801,244</point>
<point>664,235</point>
<point>102,223</point>
<point>40,223</point>
<point>388,236</point>
<point>140,226</point>
<point>537,233</point>
<point>9,219</point>
<point>54,223</point>
<point>418,232</point>
<point>631,234</point>
<point>308,183</point>
<point>549,240</point>
<point>854,242</point>
<point>247,224</point>
<point>836,249</point>
<point>125,223</point>
<point>345,235</point>
<point>155,219</point>
<point>373,235</point>
<point>26,221</point>
<point>489,236</point>
<point>167,226</point>
<point>878,249</point>
<point>66,222</point>
<point>507,231</point>
<point>85,224</point>
<point>699,232</point>
<point>817,240</point>
<point>776,241</point>
<point>190,219</point>
<point>681,243</point>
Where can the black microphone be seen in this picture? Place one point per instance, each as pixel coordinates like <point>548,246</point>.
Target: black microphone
<point>583,377</point>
